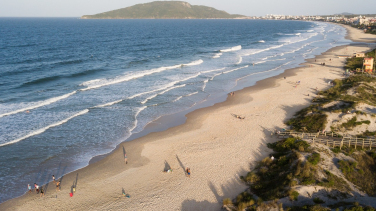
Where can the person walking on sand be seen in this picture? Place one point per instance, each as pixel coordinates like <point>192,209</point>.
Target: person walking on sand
<point>53,178</point>
<point>188,171</point>
<point>37,188</point>
<point>125,158</point>
<point>58,186</point>
<point>41,192</point>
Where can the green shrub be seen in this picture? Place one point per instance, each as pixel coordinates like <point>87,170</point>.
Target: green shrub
<point>288,145</point>
<point>318,201</point>
<point>227,201</point>
<point>335,150</point>
<point>314,159</point>
<point>293,195</point>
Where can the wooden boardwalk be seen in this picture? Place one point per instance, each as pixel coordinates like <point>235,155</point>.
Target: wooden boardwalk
<point>331,139</point>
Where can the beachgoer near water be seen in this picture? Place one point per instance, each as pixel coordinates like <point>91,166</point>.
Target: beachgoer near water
<point>37,188</point>
<point>53,178</point>
<point>41,192</point>
<point>29,187</point>
<point>57,186</point>
<point>188,171</point>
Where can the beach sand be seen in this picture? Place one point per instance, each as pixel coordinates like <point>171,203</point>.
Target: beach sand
<point>216,146</point>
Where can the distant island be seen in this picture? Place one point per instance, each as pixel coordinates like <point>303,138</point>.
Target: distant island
<point>165,10</point>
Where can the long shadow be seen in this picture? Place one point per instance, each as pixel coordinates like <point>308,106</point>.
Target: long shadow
<point>74,185</point>
<point>124,152</point>
<point>181,164</point>
<point>61,178</point>
<point>167,166</point>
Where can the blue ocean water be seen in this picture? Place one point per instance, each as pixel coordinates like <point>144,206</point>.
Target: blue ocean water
<point>72,89</point>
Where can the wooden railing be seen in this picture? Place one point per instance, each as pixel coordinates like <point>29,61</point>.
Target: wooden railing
<point>347,141</point>
<point>331,139</point>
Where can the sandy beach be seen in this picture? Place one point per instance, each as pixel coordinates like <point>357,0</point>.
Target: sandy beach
<point>215,145</point>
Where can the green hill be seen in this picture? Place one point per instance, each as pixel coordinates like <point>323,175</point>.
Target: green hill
<point>163,10</point>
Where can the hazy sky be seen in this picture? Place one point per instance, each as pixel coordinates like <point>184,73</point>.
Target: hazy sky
<point>77,8</point>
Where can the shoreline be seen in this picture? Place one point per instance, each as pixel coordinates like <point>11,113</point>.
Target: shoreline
<point>140,152</point>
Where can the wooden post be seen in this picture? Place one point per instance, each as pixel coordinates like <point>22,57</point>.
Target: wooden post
<point>333,143</point>
<point>332,134</point>
<point>363,144</point>
<point>327,142</point>
<point>370,145</point>
<point>356,140</point>
<point>313,140</point>
<point>340,146</point>
<point>349,142</point>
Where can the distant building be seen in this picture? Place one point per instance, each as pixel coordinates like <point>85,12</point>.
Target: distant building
<point>360,55</point>
<point>368,64</point>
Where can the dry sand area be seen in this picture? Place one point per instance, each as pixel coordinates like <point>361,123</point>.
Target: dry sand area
<point>216,146</point>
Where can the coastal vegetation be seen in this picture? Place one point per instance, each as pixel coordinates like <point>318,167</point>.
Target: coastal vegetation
<point>337,99</point>
<point>164,10</point>
<point>335,173</point>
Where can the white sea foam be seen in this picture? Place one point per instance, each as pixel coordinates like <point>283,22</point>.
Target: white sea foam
<point>262,41</point>
<point>190,94</point>
<point>260,62</point>
<point>138,111</point>
<point>229,71</point>
<point>164,87</point>
<point>41,130</point>
<point>39,104</point>
<point>197,62</point>
<point>235,48</point>
<point>240,60</point>
<point>217,55</point>
<point>208,71</point>
<point>178,98</point>
<point>128,77</point>
<point>108,104</point>
<point>87,83</point>
<point>262,50</point>
<point>161,93</point>
<point>205,82</point>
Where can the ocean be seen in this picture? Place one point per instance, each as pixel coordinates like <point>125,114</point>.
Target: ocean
<point>72,89</point>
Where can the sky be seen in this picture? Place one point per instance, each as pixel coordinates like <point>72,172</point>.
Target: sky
<point>77,8</point>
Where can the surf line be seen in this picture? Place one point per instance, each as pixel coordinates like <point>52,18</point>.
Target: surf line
<point>41,130</point>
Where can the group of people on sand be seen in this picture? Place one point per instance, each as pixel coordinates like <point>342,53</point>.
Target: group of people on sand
<point>232,93</point>
<point>38,188</point>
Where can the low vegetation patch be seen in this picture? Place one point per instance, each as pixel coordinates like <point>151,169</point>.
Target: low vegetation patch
<point>353,123</point>
<point>318,200</point>
<point>314,159</point>
<point>362,172</point>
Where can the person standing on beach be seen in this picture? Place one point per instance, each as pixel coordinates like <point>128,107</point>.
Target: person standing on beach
<point>29,188</point>
<point>41,192</point>
<point>57,186</point>
<point>125,158</point>
<point>53,178</point>
<point>188,171</point>
<point>37,188</point>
